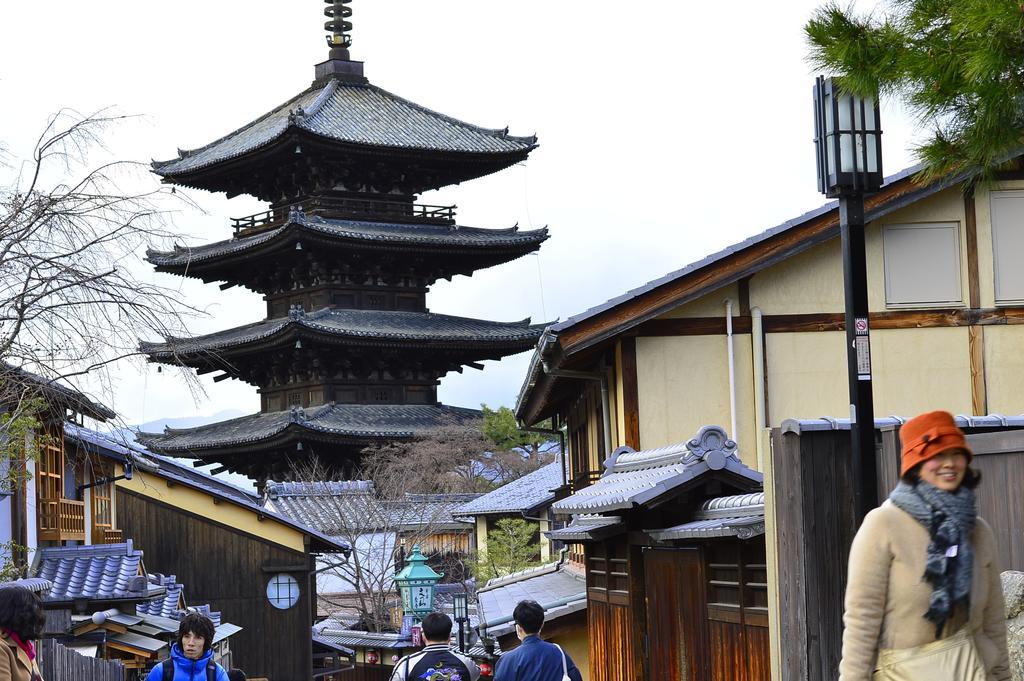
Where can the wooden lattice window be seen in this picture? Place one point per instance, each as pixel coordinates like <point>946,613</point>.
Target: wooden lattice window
<point>737,588</point>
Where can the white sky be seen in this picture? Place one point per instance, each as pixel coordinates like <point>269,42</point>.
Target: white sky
<point>668,130</point>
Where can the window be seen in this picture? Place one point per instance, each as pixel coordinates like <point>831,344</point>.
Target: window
<point>737,586</point>
<point>1008,246</point>
<point>283,591</point>
<point>922,265</point>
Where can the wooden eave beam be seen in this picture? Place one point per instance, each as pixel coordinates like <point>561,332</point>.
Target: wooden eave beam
<point>736,266</point>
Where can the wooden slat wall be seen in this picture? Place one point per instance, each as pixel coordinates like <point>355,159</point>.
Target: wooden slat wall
<point>815,527</point>
<point>676,613</point>
<point>224,567</point>
<point>57,663</point>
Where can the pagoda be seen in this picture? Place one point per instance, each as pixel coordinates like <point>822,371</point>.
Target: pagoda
<point>348,355</point>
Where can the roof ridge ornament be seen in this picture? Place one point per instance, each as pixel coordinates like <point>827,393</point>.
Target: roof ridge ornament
<point>711,445</point>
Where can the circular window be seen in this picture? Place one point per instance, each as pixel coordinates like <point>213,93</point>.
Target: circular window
<point>282,591</point>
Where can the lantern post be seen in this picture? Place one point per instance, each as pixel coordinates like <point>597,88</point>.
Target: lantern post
<point>417,583</point>
<point>848,141</point>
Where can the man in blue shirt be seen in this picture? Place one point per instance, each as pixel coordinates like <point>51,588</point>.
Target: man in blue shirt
<point>534,660</point>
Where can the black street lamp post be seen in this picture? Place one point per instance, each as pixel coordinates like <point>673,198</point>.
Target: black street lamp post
<point>460,606</point>
<point>848,140</point>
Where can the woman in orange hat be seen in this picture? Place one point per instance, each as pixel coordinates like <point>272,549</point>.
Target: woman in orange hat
<point>923,596</point>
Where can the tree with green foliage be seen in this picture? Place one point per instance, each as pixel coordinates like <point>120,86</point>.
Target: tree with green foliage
<point>957,65</point>
<point>511,547</point>
<point>501,428</point>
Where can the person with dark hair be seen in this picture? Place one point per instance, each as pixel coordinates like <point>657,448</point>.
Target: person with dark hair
<point>21,622</point>
<point>437,656</point>
<point>534,660</point>
<point>191,654</point>
<point>924,597</point>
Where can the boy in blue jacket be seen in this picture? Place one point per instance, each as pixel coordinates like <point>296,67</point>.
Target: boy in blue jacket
<point>191,655</point>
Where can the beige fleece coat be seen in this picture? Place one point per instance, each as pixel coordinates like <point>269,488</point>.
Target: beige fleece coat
<point>887,596</point>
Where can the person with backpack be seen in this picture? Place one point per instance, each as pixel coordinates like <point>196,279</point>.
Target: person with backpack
<point>534,660</point>
<point>191,654</point>
<point>437,660</point>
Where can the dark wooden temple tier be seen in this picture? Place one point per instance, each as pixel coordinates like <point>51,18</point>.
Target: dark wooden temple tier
<point>346,355</point>
<point>345,135</point>
<point>351,263</point>
<point>267,446</point>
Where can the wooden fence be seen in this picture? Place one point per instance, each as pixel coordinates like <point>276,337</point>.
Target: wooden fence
<point>814,520</point>
<point>58,663</point>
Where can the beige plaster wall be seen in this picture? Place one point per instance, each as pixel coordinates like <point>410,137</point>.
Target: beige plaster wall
<point>918,370</point>
<point>808,283</point>
<point>576,645</point>
<point>1004,369</point>
<point>806,376</point>
<point>481,533</point>
<point>684,384</point>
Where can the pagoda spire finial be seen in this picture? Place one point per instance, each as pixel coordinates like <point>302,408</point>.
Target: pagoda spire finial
<point>338,12</point>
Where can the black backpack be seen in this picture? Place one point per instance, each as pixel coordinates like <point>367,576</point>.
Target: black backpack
<point>167,669</point>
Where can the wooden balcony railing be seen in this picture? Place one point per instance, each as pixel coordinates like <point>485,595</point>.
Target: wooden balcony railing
<point>340,207</point>
<point>61,520</point>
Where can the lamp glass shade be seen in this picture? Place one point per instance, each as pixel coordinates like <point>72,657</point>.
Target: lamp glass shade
<point>460,606</point>
<point>848,141</point>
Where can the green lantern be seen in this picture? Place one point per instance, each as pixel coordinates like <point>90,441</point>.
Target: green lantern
<point>417,582</point>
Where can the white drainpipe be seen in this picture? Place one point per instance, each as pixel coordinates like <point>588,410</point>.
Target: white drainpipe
<point>757,340</point>
<point>732,368</point>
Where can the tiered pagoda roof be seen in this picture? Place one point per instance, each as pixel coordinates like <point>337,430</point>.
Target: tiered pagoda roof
<point>349,354</point>
<point>437,250</point>
<point>342,126</point>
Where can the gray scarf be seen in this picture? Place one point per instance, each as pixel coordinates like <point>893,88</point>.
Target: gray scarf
<point>949,518</point>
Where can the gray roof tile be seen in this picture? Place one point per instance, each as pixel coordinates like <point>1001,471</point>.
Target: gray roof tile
<point>53,391</point>
<point>588,527</point>
<point>558,588</point>
<point>105,572</point>
<point>355,114</point>
<point>528,492</point>
<point>415,236</point>
<point>347,420</point>
<point>633,478</point>
<point>740,515</point>
<point>337,507</point>
<point>368,326</point>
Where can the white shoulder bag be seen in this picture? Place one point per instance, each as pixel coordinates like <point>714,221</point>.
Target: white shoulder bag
<point>565,666</point>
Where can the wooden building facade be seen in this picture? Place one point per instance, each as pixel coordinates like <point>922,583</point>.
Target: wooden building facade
<point>675,563</point>
<point>251,564</point>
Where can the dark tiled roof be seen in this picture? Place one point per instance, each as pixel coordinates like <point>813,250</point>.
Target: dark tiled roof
<point>634,478</point>
<point>430,237</point>
<point>528,492</point>
<point>357,421</point>
<point>105,572</point>
<point>362,115</point>
<point>740,515</point>
<point>170,469</point>
<point>33,584</point>
<point>361,326</point>
<point>15,379</point>
<point>337,507</point>
<point>559,589</point>
<point>170,604</point>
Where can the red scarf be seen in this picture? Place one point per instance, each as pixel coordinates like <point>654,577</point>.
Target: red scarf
<point>29,649</point>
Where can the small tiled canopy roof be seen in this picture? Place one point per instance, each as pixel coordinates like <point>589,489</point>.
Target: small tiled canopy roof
<point>349,326</point>
<point>107,572</point>
<point>354,114</point>
<point>559,589</point>
<point>634,478</point>
<point>740,515</point>
<point>528,492</point>
<point>409,237</point>
<point>343,420</point>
